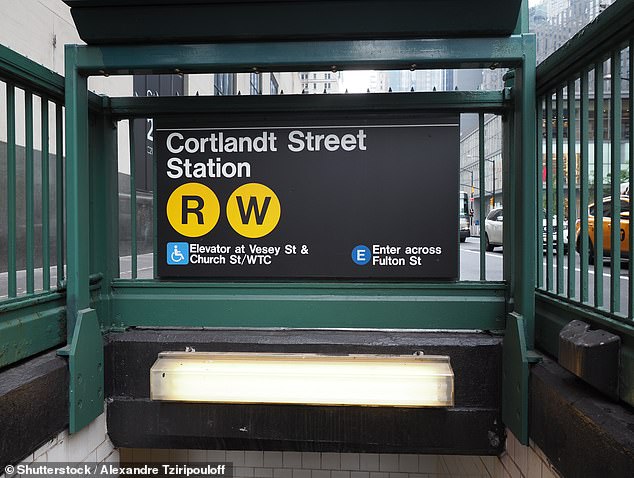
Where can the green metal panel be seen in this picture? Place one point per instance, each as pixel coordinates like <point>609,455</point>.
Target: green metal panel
<point>85,359</point>
<point>31,325</point>
<point>462,101</point>
<point>515,378</point>
<point>325,305</point>
<point>160,21</point>
<point>302,56</point>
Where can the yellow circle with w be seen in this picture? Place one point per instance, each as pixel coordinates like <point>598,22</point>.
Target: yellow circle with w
<point>253,210</point>
<point>193,210</point>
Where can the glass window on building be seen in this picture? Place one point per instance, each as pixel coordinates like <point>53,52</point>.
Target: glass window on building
<point>224,84</point>
<point>256,84</point>
<point>275,86</point>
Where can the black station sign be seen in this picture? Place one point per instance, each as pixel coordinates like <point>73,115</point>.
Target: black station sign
<point>350,197</point>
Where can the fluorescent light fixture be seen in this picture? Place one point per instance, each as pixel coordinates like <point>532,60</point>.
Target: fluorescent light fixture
<point>309,379</point>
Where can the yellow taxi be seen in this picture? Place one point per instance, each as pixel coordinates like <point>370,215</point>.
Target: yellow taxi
<point>606,229</point>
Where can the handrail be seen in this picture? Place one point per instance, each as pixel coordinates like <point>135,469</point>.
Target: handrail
<point>608,31</point>
<point>25,72</point>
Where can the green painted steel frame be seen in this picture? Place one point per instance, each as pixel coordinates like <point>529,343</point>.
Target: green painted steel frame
<point>310,305</point>
<point>604,40</point>
<point>36,321</point>
<point>301,56</point>
<point>152,303</point>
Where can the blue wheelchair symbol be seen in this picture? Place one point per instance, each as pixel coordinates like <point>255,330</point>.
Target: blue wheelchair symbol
<point>177,253</point>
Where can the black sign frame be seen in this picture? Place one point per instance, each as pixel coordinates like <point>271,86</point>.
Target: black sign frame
<point>403,183</point>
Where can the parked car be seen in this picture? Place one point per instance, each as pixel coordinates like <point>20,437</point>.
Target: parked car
<point>494,230</point>
<point>464,228</point>
<point>606,229</point>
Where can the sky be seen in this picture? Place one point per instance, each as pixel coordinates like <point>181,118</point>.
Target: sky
<point>355,81</point>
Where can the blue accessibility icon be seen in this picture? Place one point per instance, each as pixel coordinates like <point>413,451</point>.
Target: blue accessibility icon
<point>177,253</point>
<point>361,255</point>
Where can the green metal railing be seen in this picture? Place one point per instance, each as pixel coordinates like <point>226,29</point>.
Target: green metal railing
<point>585,183</point>
<point>32,268</point>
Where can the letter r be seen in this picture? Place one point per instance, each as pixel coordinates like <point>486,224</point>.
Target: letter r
<point>187,209</point>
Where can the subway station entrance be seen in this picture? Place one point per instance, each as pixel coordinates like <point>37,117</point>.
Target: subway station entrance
<point>305,293</point>
<point>328,201</point>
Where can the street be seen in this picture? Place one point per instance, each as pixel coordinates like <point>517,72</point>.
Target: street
<point>470,270</point>
<point>470,261</point>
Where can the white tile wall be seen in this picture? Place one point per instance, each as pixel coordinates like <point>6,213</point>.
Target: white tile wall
<point>90,445</point>
<point>517,461</point>
<point>93,445</point>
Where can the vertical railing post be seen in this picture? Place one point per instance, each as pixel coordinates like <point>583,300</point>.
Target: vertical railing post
<point>29,192</point>
<point>11,193</point>
<point>59,192</point>
<point>539,190</point>
<point>46,260</point>
<point>133,225</point>
<point>525,197</point>
<point>104,251</point>
<point>584,106</point>
<point>572,180</point>
<point>615,190</point>
<point>483,273</point>
<point>77,216</point>
<point>560,193</point>
<point>598,185</point>
<point>630,272</point>
<point>509,165</point>
<point>548,219</point>
<point>85,343</point>
<point>519,335</point>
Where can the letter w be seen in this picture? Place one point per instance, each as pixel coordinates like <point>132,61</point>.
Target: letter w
<point>253,208</point>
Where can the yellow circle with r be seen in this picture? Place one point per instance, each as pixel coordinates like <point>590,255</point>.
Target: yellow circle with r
<point>193,210</point>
